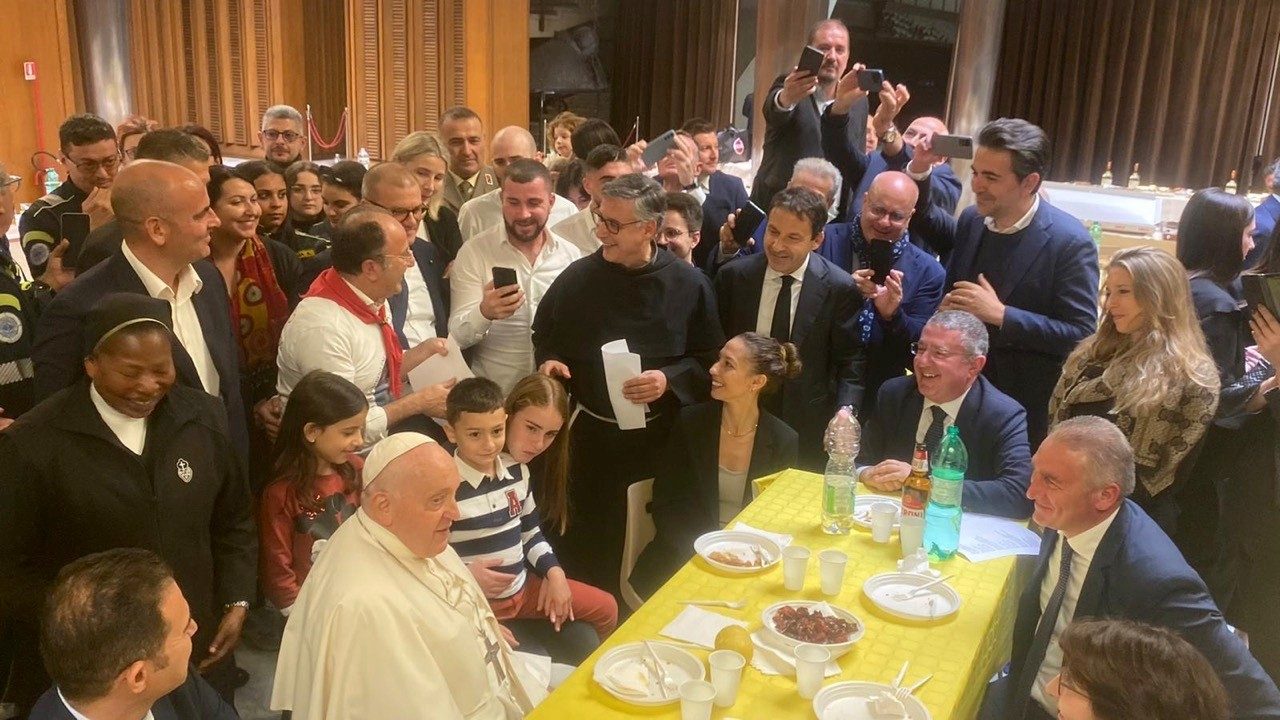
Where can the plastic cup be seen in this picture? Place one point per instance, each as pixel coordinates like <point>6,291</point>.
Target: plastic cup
<point>695,700</point>
<point>911,533</point>
<point>811,667</point>
<point>882,516</point>
<point>795,561</point>
<point>831,564</point>
<point>726,675</point>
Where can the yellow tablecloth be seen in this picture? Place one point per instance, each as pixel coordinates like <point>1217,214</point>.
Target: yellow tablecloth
<point>961,652</point>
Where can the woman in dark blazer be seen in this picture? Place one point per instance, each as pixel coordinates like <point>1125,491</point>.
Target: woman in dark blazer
<point>714,451</point>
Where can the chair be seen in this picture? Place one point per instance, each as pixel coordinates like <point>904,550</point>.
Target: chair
<point>640,532</point>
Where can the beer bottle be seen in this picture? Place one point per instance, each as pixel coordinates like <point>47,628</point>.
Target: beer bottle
<point>915,491</point>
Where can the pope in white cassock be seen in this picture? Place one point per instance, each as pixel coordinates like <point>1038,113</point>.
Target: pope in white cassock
<point>390,624</point>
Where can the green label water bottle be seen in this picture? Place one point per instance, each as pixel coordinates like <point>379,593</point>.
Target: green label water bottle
<point>943,514</point>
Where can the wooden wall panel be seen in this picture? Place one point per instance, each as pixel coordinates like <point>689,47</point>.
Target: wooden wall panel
<point>496,57</point>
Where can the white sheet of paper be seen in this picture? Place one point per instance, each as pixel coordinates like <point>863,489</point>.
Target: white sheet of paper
<point>782,539</point>
<point>987,537</point>
<point>698,626</point>
<point>620,365</point>
<point>439,368</point>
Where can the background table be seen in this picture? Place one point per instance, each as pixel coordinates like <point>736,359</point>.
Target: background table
<point>961,652</point>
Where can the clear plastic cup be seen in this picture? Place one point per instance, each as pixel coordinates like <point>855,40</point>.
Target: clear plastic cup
<point>726,675</point>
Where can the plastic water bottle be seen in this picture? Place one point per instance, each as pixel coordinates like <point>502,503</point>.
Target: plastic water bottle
<point>1095,232</point>
<point>362,157</point>
<point>51,180</point>
<point>942,515</point>
<point>838,484</point>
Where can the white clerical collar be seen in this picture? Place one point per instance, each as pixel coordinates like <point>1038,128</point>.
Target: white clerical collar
<point>130,431</point>
<point>386,538</point>
<point>158,288</point>
<point>1086,543</point>
<point>474,477</point>
<point>1018,226</point>
<point>951,407</point>
<point>81,716</point>
<point>771,274</point>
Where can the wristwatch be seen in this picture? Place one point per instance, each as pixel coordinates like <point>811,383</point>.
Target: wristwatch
<point>237,604</point>
<point>890,136</point>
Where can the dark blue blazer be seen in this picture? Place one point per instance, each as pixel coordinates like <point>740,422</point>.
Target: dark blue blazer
<point>832,362</point>
<point>1264,216</point>
<point>727,195</point>
<point>192,700</point>
<point>992,426</point>
<point>889,350</point>
<point>832,232</point>
<point>432,268</point>
<point>59,350</point>
<point>1050,291</point>
<point>1139,574</point>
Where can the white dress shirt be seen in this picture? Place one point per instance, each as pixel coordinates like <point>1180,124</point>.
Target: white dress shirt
<point>503,348</point>
<point>485,211</point>
<point>130,431</point>
<point>951,408</point>
<point>1019,226</point>
<point>323,335</point>
<point>80,716</point>
<point>769,297</point>
<point>822,104</point>
<point>186,322</point>
<point>579,229</point>
<point>1084,545</point>
<point>420,318</point>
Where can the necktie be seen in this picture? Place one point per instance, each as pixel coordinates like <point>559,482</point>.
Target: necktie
<point>780,328</point>
<point>464,189</point>
<point>934,433</point>
<point>1044,631</point>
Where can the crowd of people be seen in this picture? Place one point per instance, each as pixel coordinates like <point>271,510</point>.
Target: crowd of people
<point>211,435</point>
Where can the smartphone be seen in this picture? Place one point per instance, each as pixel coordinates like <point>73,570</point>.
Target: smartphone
<point>504,277</point>
<point>810,60</point>
<point>953,146</point>
<point>871,80</point>
<point>658,147</point>
<point>75,228</point>
<point>1262,290</point>
<point>745,223</point>
<point>880,259</point>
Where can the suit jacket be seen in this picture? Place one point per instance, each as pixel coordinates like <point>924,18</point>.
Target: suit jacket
<point>1050,291</point>
<point>194,699</point>
<point>727,195</point>
<point>1138,573</point>
<point>1265,216</point>
<point>59,350</point>
<point>794,135</point>
<point>833,363</point>
<point>686,488</point>
<point>453,200</point>
<point>432,269</point>
<point>992,426</point>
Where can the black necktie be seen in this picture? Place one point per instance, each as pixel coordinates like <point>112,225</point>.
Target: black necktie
<point>1040,644</point>
<point>934,433</point>
<point>780,329</point>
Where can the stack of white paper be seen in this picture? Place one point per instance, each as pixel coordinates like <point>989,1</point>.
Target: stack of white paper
<point>440,368</point>
<point>986,537</point>
<point>621,365</point>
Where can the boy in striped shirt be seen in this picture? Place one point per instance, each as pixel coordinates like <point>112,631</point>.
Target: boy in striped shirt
<point>498,533</point>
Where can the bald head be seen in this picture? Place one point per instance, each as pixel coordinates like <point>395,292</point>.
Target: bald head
<point>413,498</point>
<point>888,206</point>
<point>387,176</point>
<point>510,144</point>
<point>922,126</point>
<point>145,188</point>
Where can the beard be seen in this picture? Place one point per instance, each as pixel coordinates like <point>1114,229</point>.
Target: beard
<point>526,234</point>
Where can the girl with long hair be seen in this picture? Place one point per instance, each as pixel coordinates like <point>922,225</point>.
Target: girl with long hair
<point>537,410</point>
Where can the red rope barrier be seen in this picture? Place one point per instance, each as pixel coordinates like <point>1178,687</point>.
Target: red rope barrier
<point>337,139</point>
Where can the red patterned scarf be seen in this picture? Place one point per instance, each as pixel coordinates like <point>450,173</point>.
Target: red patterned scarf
<point>259,307</point>
<point>331,286</point>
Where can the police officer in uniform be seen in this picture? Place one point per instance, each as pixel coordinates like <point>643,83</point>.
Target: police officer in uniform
<point>92,157</point>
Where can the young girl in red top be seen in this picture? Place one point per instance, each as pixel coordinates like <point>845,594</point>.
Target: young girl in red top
<point>317,480</point>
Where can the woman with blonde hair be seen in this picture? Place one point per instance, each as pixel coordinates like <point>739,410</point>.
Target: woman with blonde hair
<point>1148,370</point>
<point>423,154</point>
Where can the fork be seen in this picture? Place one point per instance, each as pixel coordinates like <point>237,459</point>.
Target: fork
<point>731,604</point>
<point>666,683</point>
<point>914,592</point>
<point>902,692</point>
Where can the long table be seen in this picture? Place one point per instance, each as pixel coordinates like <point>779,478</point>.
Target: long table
<point>961,652</point>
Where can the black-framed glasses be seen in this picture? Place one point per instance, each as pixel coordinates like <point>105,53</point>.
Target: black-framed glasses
<point>402,215</point>
<point>880,211</point>
<point>8,182</point>
<point>287,135</point>
<point>92,166</point>
<point>939,353</point>
<point>613,226</point>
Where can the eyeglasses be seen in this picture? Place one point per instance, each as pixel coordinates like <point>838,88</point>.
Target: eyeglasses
<point>92,166</point>
<point>880,211</point>
<point>406,257</point>
<point>402,215</point>
<point>9,181</point>
<point>671,233</point>
<point>613,226</point>
<point>288,135</point>
<point>940,353</point>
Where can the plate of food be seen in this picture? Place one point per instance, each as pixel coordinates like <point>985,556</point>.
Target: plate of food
<point>735,551</point>
<point>862,509</point>
<point>896,593</point>
<point>856,700</point>
<point>797,621</point>
<point>630,673</point>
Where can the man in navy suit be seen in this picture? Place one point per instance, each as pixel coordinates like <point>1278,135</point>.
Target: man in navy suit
<point>724,193</point>
<point>1265,216</point>
<point>1102,557</point>
<point>164,212</point>
<point>948,389</point>
<point>794,295</point>
<point>896,306</point>
<point>116,639</point>
<point>1025,268</point>
<point>793,109</point>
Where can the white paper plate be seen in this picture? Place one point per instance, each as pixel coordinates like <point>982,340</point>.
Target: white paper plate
<point>862,509</point>
<point>738,543</point>
<point>849,701</point>
<point>880,590</point>
<point>622,661</point>
<point>837,649</point>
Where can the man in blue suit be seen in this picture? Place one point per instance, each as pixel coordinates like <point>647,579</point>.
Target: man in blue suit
<point>116,639</point>
<point>792,294</point>
<point>1102,557</point>
<point>724,193</point>
<point>1025,268</point>
<point>1265,216</point>
<point>948,389</point>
